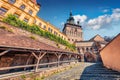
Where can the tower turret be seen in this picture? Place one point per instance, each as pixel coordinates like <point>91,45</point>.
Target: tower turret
<point>71,19</point>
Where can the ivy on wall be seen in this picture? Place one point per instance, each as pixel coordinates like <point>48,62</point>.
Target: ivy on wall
<point>13,20</point>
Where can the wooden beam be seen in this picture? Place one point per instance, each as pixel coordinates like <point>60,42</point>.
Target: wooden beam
<point>4,52</point>
<point>56,55</point>
<point>59,56</point>
<point>17,67</point>
<point>32,65</point>
<point>35,55</point>
<point>70,56</point>
<point>28,60</point>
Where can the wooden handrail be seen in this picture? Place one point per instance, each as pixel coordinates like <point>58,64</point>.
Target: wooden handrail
<point>33,65</point>
<point>15,67</point>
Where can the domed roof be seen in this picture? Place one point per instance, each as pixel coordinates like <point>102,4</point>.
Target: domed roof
<point>71,19</point>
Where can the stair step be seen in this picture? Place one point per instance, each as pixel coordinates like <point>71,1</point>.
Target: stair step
<point>100,75</point>
<point>97,78</point>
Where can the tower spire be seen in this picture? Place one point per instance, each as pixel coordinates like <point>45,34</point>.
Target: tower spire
<point>70,13</point>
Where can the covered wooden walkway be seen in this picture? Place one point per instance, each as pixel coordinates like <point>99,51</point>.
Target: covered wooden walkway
<point>15,59</point>
<point>20,53</point>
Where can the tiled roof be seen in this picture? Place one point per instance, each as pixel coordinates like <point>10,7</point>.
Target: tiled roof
<point>11,39</point>
<point>97,38</point>
<point>34,1</point>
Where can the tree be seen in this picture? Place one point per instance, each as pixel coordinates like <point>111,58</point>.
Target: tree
<point>108,38</point>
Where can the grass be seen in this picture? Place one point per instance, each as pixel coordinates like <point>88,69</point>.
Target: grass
<point>23,77</point>
<point>3,27</point>
<point>33,37</point>
<point>6,28</point>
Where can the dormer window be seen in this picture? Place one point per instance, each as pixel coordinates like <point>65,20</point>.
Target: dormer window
<point>11,1</point>
<point>30,12</point>
<point>22,7</point>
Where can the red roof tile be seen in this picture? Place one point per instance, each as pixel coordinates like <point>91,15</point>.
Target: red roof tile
<point>11,39</point>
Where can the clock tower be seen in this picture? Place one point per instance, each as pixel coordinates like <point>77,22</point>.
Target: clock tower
<point>73,31</point>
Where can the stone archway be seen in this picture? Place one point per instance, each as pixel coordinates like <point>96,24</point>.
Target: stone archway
<point>64,57</point>
<point>72,57</point>
<point>88,57</point>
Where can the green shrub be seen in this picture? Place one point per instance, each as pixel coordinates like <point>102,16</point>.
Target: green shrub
<point>12,20</point>
<point>2,27</point>
<point>37,79</point>
<point>23,77</point>
<point>6,28</point>
<point>33,37</point>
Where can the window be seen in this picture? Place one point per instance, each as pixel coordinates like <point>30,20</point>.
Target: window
<point>35,21</point>
<point>55,33</point>
<point>22,7</point>
<point>3,11</point>
<point>30,12</point>
<point>50,30</point>
<point>12,1</point>
<point>44,27</point>
<point>87,49</point>
<point>26,20</point>
<point>68,39</point>
<point>17,15</point>
<point>40,24</point>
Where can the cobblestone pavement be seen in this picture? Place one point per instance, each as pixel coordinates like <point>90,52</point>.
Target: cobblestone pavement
<point>86,71</point>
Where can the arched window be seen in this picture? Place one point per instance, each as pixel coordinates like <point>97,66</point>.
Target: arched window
<point>87,49</point>
<point>40,24</point>
<point>12,1</point>
<point>22,7</point>
<point>30,12</point>
<point>3,11</point>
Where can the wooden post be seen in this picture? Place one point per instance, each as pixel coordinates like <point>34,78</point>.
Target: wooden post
<point>38,60</point>
<point>58,57</point>
<point>69,57</point>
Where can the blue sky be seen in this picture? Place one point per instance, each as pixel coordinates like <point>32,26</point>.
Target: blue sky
<point>96,16</point>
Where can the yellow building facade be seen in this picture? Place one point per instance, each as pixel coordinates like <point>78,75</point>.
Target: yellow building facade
<point>27,10</point>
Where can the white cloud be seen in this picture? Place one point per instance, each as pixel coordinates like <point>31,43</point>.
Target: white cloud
<point>105,21</point>
<point>105,11</point>
<point>117,10</point>
<point>99,22</point>
<point>80,18</point>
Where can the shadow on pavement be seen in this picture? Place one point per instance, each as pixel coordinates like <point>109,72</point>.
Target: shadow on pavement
<point>97,71</point>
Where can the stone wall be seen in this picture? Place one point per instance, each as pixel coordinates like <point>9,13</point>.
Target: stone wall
<point>111,54</point>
